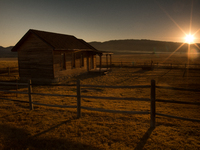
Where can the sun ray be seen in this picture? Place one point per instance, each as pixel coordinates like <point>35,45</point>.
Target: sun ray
<point>196,32</point>
<point>188,54</point>
<point>197,46</point>
<point>189,37</point>
<point>173,52</point>
<point>171,18</point>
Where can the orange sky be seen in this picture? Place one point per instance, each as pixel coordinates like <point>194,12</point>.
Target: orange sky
<point>100,20</point>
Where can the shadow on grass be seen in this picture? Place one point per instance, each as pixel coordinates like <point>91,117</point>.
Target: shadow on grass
<point>9,115</point>
<point>160,77</point>
<point>166,73</point>
<point>52,128</point>
<point>144,139</point>
<point>11,87</point>
<point>139,70</point>
<point>19,138</point>
<point>88,75</point>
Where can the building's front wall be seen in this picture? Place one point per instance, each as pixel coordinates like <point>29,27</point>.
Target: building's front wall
<point>68,64</point>
<point>35,59</point>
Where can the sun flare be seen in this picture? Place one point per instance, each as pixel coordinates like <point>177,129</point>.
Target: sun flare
<point>189,39</point>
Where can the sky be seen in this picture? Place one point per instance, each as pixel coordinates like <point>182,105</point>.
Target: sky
<point>101,20</point>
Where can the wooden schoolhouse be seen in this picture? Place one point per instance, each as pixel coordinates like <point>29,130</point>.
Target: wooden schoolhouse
<point>49,57</point>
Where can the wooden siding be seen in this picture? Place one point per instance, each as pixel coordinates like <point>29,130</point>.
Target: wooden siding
<point>35,59</point>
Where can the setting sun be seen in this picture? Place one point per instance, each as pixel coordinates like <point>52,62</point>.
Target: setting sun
<point>189,39</point>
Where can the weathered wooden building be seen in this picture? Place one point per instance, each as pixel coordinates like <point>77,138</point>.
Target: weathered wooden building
<point>49,57</point>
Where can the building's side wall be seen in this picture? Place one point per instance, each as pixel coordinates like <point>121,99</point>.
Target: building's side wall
<point>35,59</point>
<point>71,69</point>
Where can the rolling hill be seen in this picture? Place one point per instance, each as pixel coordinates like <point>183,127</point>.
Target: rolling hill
<point>124,46</point>
<point>150,46</point>
<point>5,52</point>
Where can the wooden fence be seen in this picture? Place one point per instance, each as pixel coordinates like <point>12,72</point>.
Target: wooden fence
<point>123,64</point>
<point>79,107</point>
<point>8,70</point>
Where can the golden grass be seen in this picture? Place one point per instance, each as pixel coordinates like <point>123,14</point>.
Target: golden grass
<point>57,128</point>
<point>8,62</point>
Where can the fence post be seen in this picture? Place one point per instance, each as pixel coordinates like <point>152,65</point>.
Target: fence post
<point>29,94</point>
<point>107,61</point>
<point>153,110</point>
<point>78,99</point>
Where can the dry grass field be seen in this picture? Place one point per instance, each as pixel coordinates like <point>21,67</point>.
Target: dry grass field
<point>57,128</point>
<point>176,58</point>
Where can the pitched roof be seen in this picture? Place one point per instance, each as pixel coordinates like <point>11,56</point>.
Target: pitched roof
<point>57,41</point>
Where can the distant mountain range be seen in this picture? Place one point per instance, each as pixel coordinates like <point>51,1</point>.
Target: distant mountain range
<point>124,46</point>
<point>5,52</point>
<point>130,46</point>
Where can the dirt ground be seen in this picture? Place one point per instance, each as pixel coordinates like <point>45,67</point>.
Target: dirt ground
<point>57,128</point>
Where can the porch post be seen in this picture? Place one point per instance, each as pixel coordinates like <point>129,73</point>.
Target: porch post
<point>88,65</point>
<point>110,61</point>
<point>100,56</point>
<point>107,60</point>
